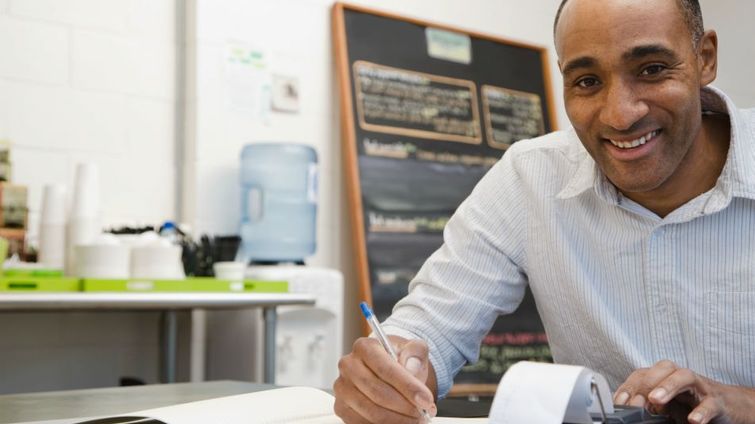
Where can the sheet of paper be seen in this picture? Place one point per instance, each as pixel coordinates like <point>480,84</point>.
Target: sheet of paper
<point>537,393</point>
<point>300,405</point>
<point>288,405</point>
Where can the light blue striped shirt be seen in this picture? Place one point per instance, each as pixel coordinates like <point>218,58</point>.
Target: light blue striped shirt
<point>617,287</point>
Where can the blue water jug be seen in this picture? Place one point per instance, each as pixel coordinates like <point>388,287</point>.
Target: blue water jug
<point>279,202</point>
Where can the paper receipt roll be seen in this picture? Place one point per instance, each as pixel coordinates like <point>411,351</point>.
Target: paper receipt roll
<point>539,393</point>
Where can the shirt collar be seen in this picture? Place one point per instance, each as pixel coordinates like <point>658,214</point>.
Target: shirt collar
<point>738,176</point>
<point>587,174</point>
<point>736,179</point>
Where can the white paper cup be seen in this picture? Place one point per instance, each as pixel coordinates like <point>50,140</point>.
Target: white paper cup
<point>52,227</point>
<point>86,194</point>
<point>232,271</point>
<point>52,245</point>
<point>79,232</point>
<point>53,205</point>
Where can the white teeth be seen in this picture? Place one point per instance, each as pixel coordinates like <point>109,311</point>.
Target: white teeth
<point>634,143</point>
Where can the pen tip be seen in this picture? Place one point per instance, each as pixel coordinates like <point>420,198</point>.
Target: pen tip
<point>365,309</point>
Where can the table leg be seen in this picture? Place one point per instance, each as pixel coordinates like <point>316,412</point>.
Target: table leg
<point>169,351</point>
<point>198,351</point>
<point>270,324</point>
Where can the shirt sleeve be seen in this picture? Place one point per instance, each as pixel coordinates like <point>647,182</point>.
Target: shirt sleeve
<point>476,275</point>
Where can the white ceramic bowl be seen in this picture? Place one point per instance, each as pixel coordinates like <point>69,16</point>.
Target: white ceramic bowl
<point>157,262</point>
<point>107,261</point>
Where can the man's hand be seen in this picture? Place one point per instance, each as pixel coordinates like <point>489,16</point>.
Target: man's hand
<point>687,397</point>
<point>373,388</point>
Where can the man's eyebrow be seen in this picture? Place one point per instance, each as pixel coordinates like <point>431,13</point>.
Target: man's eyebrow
<point>643,51</point>
<point>580,62</point>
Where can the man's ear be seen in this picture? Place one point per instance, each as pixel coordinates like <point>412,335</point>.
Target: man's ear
<point>708,57</point>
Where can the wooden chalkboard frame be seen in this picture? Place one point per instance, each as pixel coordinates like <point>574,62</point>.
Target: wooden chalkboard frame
<point>349,122</point>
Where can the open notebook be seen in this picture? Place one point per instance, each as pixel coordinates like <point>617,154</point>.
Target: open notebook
<point>293,405</point>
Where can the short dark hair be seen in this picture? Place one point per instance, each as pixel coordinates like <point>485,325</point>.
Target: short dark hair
<point>693,17</point>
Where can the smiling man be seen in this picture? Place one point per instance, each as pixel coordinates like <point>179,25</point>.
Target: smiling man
<point>635,231</point>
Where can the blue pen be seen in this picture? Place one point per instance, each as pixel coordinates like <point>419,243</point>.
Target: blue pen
<point>375,325</point>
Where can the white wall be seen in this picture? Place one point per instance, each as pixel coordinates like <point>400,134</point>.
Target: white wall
<point>92,80</point>
<point>732,20</point>
<point>88,80</point>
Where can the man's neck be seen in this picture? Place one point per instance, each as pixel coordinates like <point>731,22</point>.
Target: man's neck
<point>708,160</point>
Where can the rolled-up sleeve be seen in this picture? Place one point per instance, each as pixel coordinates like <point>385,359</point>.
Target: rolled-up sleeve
<point>475,276</point>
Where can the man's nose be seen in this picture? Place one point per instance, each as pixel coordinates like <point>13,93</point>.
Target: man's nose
<point>622,106</point>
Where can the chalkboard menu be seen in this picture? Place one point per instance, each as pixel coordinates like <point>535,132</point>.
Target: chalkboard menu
<point>426,111</point>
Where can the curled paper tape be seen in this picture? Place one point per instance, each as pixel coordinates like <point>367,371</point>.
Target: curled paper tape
<point>538,393</point>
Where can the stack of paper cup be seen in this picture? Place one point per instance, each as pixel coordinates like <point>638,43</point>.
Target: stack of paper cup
<point>106,257</point>
<point>52,227</point>
<point>159,260</point>
<point>84,222</point>
<point>231,271</point>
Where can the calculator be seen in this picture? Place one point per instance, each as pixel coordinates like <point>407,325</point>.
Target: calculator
<point>631,415</point>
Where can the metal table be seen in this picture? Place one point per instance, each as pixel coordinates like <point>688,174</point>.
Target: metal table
<point>114,400</point>
<point>121,400</point>
<point>169,304</point>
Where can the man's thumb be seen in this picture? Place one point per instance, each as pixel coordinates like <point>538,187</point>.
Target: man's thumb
<point>413,356</point>
<point>413,365</point>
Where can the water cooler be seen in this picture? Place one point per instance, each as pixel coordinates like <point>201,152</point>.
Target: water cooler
<point>279,205</point>
<point>278,202</point>
<point>309,339</point>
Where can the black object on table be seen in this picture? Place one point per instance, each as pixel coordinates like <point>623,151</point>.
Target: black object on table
<point>480,407</point>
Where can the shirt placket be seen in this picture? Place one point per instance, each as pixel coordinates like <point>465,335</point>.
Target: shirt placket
<point>661,287</point>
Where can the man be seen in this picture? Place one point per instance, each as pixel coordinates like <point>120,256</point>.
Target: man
<point>635,231</point>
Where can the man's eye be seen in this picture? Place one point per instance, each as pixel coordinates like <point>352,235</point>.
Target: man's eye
<point>652,70</point>
<point>587,82</point>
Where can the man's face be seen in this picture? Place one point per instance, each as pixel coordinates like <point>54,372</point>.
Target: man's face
<point>632,80</point>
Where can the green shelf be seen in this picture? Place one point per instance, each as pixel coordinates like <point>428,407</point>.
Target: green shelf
<point>20,272</point>
<point>191,284</point>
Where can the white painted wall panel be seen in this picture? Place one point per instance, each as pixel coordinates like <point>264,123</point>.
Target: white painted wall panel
<point>33,51</point>
<point>107,15</point>
<point>122,64</point>
<point>732,21</point>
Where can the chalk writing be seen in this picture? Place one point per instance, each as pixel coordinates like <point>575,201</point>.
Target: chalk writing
<point>511,116</point>
<point>405,102</point>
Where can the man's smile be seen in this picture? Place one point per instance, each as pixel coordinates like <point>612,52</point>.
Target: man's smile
<point>632,143</point>
<point>632,147</point>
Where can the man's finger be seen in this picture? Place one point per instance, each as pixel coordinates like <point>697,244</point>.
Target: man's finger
<point>379,391</point>
<point>348,415</point>
<point>638,400</point>
<point>388,370</point>
<point>642,381</point>
<point>377,413</point>
<point>622,396</point>
<point>413,355</point>
<point>705,412</point>
<point>680,381</point>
